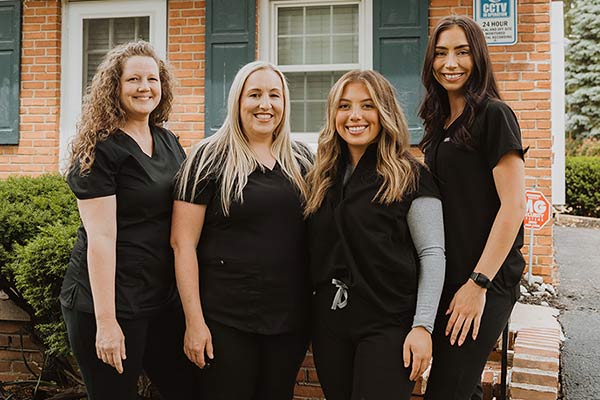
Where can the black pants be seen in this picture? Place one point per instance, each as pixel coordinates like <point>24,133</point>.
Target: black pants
<point>456,371</point>
<point>154,345</point>
<point>358,350</point>
<point>250,366</point>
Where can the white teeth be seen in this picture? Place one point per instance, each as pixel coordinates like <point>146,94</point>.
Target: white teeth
<point>452,76</point>
<point>356,129</point>
<point>263,116</point>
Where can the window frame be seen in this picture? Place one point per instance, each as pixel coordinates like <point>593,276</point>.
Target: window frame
<point>72,52</point>
<point>267,42</point>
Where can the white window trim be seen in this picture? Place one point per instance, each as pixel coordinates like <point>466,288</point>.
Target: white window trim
<point>72,57</point>
<point>267,30</point>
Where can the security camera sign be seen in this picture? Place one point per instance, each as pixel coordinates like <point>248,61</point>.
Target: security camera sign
<point>498,20</point>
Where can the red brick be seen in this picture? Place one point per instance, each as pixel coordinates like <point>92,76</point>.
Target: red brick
<point>518,393</point>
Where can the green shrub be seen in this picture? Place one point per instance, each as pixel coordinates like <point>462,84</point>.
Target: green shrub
<point>38,268</point>
<point>29,203</point>
<point>582,178</point>
<point>38,223</point>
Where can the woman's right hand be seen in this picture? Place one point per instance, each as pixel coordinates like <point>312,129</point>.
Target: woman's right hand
<point>196,343</point>
<point>110,343</point>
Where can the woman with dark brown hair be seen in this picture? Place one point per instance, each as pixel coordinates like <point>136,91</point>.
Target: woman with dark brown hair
<point>473,147</point>
<point>119,299</point>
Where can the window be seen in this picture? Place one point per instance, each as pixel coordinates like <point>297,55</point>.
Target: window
<point>314,43</point>
<point>91,29</point>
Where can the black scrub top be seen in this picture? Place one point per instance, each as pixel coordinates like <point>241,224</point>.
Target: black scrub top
<point>145,277</point>
<point>469,197</point>
<point>252,264</point>
<point>365,244</point>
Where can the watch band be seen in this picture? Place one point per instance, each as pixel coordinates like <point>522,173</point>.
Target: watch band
<point>481,280</point>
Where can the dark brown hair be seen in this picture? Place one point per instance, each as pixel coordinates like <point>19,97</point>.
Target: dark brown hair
<point>435,108</point>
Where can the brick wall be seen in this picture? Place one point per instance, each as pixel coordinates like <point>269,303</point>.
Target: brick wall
<point>19,356</point>
<point>186,55</point>
<point>37,151</point>
<point>523,74</point>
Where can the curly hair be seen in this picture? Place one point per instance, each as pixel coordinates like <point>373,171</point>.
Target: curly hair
<point>102,113</point>
<point>481,85</point>
<point>395,163</point>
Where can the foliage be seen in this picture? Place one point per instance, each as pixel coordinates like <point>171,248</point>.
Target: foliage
<point>582,175</point>
<point>583,70</point>
<point>38,268</point>
<point>38,222</point>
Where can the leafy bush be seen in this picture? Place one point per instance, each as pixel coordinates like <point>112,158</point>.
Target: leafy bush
<point>29,203</point>
<point>38,268</point>
<point>38,223</point>
<point>582,176</point>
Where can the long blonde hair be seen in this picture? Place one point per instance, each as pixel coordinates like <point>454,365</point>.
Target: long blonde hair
<point>395,164</point>
<point>227,156</point>
<point>102,113</point>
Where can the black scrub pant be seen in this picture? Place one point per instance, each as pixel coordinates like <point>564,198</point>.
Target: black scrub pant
<point>154,345</point>
<point>251,366</point>
<point>456,371</point>
<point>358,350</point>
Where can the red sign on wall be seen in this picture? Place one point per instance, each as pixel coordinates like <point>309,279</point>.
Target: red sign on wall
<point>537,212</point>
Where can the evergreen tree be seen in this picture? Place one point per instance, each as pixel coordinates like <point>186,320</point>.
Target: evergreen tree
<point>583,70</point>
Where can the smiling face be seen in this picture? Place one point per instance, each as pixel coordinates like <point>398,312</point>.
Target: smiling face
<point>357,119</point>
<point>453,62</point>
<point>261,103</point>
<point>140,87</point>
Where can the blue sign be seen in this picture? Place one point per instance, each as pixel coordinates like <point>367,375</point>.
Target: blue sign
<point>498,20</point>
<point>495,9</point>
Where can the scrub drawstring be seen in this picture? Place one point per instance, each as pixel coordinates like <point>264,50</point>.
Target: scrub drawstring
<point>341,296</point>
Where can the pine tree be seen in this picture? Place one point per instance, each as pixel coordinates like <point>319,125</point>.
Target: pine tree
<point>583,70</point>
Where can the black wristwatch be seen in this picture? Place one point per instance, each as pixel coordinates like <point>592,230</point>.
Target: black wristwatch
<point>481,280</point>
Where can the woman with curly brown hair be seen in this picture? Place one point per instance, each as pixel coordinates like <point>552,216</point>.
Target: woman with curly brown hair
<point>472,145</point>
<point>118,298</point>
<point>376,246</point>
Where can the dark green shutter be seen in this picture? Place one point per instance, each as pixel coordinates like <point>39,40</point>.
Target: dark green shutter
<point>10,49</point>
<point>230,43</point>
<point>400,31</point>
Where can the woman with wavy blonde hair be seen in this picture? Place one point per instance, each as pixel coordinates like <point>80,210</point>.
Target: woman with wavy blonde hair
<point>371,205</point>
<point>240,247</point>
<point>119,298</point>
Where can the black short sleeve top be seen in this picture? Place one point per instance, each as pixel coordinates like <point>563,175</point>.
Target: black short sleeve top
<point>144,280</point>
<point>469,197</point>
<point>253,263</point>
<point>365,244</point>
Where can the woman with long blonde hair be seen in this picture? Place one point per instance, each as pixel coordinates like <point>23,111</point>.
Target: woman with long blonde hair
<point>118,298</point>
<point>376,246</point>
<point>240,248</point>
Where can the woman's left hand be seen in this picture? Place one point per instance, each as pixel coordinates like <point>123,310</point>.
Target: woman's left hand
<point>466,309</point>
<point>418,345</point>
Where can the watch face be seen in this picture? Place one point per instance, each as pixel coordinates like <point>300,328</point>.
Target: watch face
<point>481,280</point>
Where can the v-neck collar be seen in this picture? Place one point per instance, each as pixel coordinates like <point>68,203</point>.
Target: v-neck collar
<point>139,148</point>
